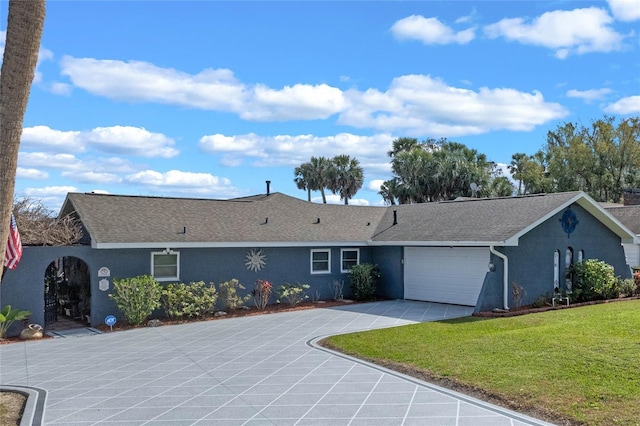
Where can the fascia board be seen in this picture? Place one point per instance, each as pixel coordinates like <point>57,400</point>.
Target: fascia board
<point>444,243</point>
<point>607,219</point>
<point>234,244</point>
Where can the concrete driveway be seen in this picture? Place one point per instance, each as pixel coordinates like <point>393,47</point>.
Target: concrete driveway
<point>258,370</point>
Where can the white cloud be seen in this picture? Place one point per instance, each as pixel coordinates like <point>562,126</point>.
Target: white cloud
<point>216,90</point>
<point>298,102</point>
<point>58,88</point>
<point>417,105</point>
<point>375,184</point>
<point>292,150</point>
<point>335,199</point>
<point>589,95</point>
<point>144,82</point>
<point>116,139</point>
<point>92,177</point>
<point>132,141</point>
<point>51,139</point>
<point>625,10</point>
<point>43,160</point>
<point>430,31</point>
<point>35,174</point>
<point>183,182</point>
<point>49,191</point>
<point>50,196</point>
<point>576,31</point>
<point>628,105</point>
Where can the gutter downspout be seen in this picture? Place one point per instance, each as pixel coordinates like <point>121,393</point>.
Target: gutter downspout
<point>505,277</point>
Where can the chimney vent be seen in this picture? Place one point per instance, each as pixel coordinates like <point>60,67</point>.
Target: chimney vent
<point>395,217</point>
<point>268,187</point>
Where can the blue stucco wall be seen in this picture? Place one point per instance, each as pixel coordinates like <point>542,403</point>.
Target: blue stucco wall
<point>531,262</point>
<point>389,260</point>
<point>23,287</point>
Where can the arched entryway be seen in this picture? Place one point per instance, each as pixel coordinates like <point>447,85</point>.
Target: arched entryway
<point>67,293</point>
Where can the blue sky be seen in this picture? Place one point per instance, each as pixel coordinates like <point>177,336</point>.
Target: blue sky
<point>210,99</point>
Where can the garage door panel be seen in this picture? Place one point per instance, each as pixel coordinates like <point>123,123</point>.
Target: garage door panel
<point>445,275</point>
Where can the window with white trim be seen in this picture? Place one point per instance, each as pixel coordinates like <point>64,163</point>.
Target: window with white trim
<point>165,265</point>
<point>320,261</point>
<point>348,259</point>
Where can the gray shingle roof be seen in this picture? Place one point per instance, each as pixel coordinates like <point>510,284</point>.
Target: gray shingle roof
<point>274,218</point>
<point>135,221</point>
<point>470,220</point>
<point>628,215</point>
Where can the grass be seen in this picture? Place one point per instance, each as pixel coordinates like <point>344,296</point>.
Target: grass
<point>581,365</point>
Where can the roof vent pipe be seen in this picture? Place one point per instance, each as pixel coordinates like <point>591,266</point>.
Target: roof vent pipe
<point>268,187</point>
<point>395,217</point>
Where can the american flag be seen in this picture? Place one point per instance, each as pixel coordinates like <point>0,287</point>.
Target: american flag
<point>14,246</point>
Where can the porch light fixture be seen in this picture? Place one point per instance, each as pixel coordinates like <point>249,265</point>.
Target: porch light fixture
<point>492,267</point>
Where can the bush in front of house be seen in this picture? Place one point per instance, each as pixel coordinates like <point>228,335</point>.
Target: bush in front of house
<point>293,294</point>
<point>8,316</point>
<point>627,287</point>
<point>262,293</point>
<point>193,300</point>
<point>636,279</point>
<point>363,279</point>
<point>136,297</point>
<point>228,295</point>
<point>595,280</point>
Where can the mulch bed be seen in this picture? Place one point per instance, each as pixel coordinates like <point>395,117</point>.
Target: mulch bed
<point>497,313</point>
<point>248,311</point>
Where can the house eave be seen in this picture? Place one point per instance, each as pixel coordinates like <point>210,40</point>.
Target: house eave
<point>445,243</point>
<point>225,244</point>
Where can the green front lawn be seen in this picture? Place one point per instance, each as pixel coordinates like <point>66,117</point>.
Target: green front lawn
<point>581,364</point>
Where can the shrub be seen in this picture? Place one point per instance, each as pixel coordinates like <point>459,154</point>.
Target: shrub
<point>261,293</point>
<point>8,316</point>
<point>136,297</point>
<point>229,297</point>
<point>595,280</point>
<point>336,289</point>
<point>627,287</point>
<point>293,294</point>
<point>636,278</point>
<point>193,300</point>
<point>363,279</point>
<point>542,301</point>
<point>518,293</point>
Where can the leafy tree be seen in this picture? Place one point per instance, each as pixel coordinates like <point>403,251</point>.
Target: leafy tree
<point>601,159</point>
<point>22,42</point>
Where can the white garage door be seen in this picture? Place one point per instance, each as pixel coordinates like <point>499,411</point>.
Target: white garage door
<point>445,275</point>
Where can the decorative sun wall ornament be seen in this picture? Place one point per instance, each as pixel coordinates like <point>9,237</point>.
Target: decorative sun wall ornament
<point>255,260</point>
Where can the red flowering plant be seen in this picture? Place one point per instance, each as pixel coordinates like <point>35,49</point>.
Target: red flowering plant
<point>636,278</point>
<point>261,293</point>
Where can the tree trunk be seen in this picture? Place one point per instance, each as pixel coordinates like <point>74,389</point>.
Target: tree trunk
<point>24,30</point>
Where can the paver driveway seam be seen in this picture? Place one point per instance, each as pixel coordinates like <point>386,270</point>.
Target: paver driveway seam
<point>254,370</point>
<point>457,395</point>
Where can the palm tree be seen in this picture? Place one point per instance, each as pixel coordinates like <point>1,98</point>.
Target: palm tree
<point>313,176</point>
<point>25,23</point>
<point>516,168</point>
<point>346,176</point>
<point>302,177</point>
<point>389,191</point>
